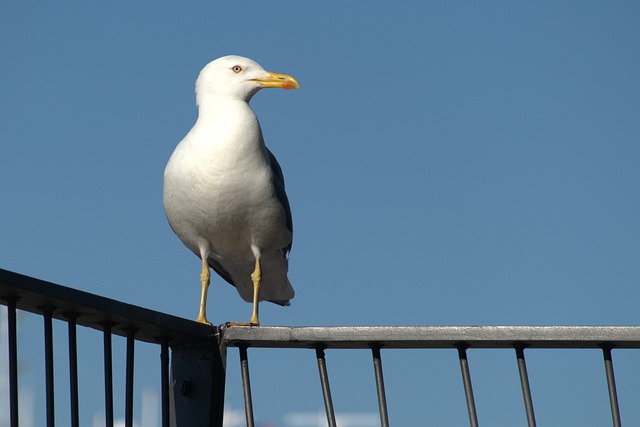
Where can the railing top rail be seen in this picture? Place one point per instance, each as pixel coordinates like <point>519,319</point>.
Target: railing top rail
<point>433,337</point>
<point>93,310</point>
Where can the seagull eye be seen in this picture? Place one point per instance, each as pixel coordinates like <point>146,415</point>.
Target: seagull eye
<point>236,69</point>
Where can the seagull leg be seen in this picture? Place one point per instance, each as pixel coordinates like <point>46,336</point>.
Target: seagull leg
<point>205,278</point>
<point>256,277</point>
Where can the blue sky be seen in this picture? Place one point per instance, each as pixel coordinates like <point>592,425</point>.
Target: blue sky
<point>447,164</point>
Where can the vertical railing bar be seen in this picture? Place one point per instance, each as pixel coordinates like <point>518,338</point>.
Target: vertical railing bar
<point>246,386</point>
<point>164,375</point>
<point>611,384</point>
<point>128,407</point>
<point>382,398</point>
<point>47,313</point>
<point>526,389</point>
<point>13,359</point>
<point>326,390</point>
<point>73,368</point>
<point>108,374</point>
<point>468,389</point>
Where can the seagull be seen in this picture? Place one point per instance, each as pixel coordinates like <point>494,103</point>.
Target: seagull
<point>224,190</point>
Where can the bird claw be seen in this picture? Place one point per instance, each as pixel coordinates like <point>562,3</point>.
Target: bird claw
<point>241,324</point>
<point>204,320</point>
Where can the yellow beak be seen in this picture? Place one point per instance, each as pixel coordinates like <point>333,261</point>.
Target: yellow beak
<point>283,81</point>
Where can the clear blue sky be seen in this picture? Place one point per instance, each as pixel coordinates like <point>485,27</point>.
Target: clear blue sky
<point>448,163</point>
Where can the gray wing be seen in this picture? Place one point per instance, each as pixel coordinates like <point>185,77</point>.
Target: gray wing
<point>278,182</point>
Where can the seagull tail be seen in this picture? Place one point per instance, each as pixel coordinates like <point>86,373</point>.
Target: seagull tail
<point>275,287</point>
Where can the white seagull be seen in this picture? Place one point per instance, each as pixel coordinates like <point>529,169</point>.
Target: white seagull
<point>224,190</point>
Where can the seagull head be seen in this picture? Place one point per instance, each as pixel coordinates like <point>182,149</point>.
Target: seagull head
<point>238,78</point>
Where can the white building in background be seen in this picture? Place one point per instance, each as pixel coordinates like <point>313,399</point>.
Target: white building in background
<point>236,418</point>
<point>150,408</point>
<point>150,412</point>
<point>319,419</point>
<point>233,418</point>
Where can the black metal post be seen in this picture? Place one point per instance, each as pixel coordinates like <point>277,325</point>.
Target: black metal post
<point>382,398</point>
<point>326,391</point>
<point>73,368</point>
<point>526,390</point>
<point>164,376</point>
<point>13,359</point>
<point>198,375</point>
<point>246,386</point>
<point>468,389</point>
<point>611,384</point>
<point>47,313</point>
<point>128,407</point>
<point>108,375</point>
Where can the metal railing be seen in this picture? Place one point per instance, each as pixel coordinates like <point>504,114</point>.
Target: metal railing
<point>193,381</point>
<point>462,338</point>
<point>192,345</point>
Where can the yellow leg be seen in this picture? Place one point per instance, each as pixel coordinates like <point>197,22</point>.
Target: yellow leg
<point>256,277</point>
<point>205,278</point>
